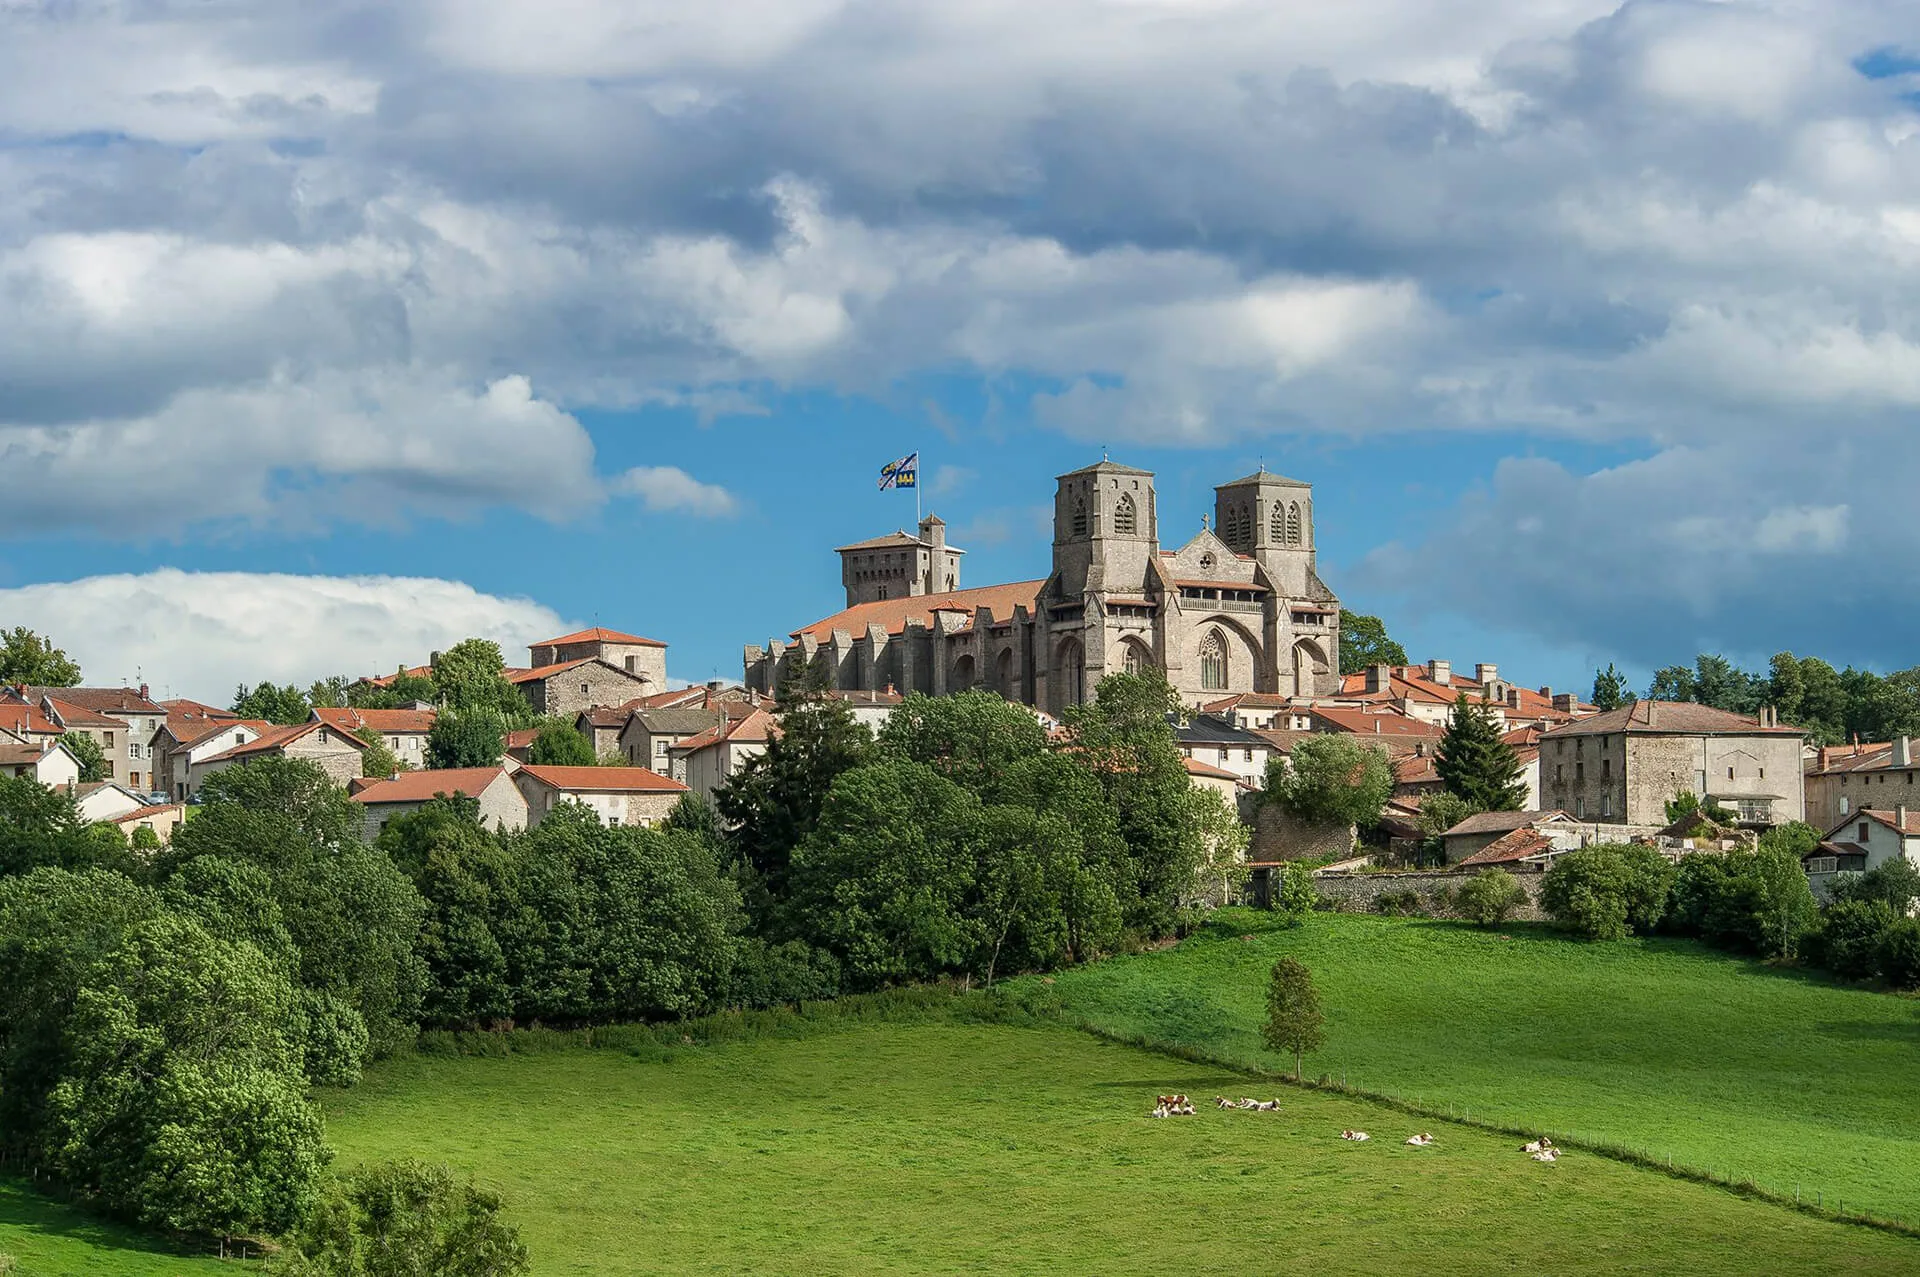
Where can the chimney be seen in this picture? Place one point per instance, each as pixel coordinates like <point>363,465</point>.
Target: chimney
<point>1513,698</point>
<point>1903,752</point>
<point>433,661</point>
<point>1441,672</point>
<point>1651,707</point>
<point>1379,677</point>
<point>1485,673</point>
<point>714,684</point>
<point>1376,724</point>
<point>1546,693</point>
<point>143,692</point>
<point>1900,818</point>
<point>1823,758</point>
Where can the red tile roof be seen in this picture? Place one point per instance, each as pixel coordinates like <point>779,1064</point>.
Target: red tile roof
<point>398,722</point>
<point>143,813</point>
<point>194,709</point>
<point>892,615</point>
<point>1361,722</point>
<point>547,671</point>
<point>421,786</point>
<point>1834,759</point>
<point>1249,700</point>
<point>892,540</point>
<point>102,700</point>
<point>387,680</point>
<point>20,755</point>
<point>22,718</point>
<point>1197,768</point>
<point>1883,817</point>
<point>73,714</point>
<point>602,779</point>
<point>753,729</point>
<point>1497,822</point>
<point>598,635</point>
<point>1517,845</point>
<point>279,737</point>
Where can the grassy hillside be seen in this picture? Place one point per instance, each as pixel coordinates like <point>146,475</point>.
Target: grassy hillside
<point>992,1149</point>
<point>52,1240</point>
<point>1660,1045</point>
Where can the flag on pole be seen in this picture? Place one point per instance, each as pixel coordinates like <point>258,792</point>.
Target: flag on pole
<point>904,473</point>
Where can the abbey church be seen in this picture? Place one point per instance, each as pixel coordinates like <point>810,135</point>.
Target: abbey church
<point>1239,608</point>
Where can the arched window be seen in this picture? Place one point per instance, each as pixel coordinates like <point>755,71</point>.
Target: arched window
<point>1206,562</point>
<point>1293,524</point>
<point>1079,516</point>
<point>1277,525</point>
<point>1125,518</point>
<point>1213,662</point>
<point>1137,661</point>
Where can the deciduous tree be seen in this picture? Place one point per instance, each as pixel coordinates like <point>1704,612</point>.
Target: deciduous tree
<point>25,657</point>
<point>1364,642</point>
<point>466,738</point>
<point>284,705</point>
<point>1295,1024</point>
<point>408,1219</point>
<point>87,752</point>
<point>559,745</point>
<point>1334,778</point>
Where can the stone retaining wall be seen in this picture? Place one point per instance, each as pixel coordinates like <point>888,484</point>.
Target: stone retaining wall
<point>1360,892</point>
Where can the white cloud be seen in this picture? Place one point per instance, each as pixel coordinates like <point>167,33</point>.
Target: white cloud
<point>666,488</point>
<point>198,634</point>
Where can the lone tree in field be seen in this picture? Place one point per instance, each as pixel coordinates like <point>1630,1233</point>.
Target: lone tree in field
<point>1475,764</point>
<point>1294,1022</point>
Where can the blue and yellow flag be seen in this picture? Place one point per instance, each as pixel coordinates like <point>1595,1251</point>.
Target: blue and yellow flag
<point>904,473</point>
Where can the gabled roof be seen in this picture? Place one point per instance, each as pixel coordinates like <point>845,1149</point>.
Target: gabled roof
<point>1515,845</point>
<point>1205,729</point>
<point>23,755</point>
<point>1249,700</point>
<point>387,680</point>
<point>685,720</point>
<point>189,734</point>
<point>421,786</point>
<point>598,635</point>
<point>101,700</point>
<point>143,813</point>
<point>893,615</point>
<point>23,718</point>
<point>1360,722</point>
<point>73,714</point>
<point>1197,768</point>
<point>602,779</point>
<point>1881,816</point>
<point>1500,822</point>
<point>754,729</point>
<point>279,738</point>
<point>1669,718</point>
<point>1835,759</point>
<point>399,722</point>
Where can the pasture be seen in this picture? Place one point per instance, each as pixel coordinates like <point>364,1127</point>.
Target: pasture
<point>49,1239</point>
<point>1660,1045</point>
<point>949,1147</point>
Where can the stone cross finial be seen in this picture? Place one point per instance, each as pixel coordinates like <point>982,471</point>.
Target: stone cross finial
<point>1203,521</point>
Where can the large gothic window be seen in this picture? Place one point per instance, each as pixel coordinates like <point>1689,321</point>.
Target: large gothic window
<point>1125,518</point>
<point>1137,660</point>
<point>1277,526</point>
<point>1079,517</point>
<point>1213,662</point>
<point>1293,524</point>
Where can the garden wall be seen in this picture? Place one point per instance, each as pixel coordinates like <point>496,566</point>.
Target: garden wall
<point>1360,892</point>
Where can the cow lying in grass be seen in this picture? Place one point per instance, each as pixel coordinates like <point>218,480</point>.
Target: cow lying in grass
<point>1252,1106</point>
<point>1165,1109</point>
<point>1355,1135</point>
<point>1421,1140</point>
<point>1541,1145</point>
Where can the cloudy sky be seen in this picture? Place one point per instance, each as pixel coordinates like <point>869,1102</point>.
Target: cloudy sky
<point>330,333</point>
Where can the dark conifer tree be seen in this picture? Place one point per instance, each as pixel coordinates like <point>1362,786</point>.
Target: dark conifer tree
<point>1475,764</point>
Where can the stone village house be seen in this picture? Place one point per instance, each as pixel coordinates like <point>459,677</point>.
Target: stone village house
<point>1622,767</point>
<point>501,804</point>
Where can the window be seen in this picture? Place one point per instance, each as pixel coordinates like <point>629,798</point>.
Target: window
<point>1580,808</point>
<point>1606,804</point>
<point>1293,524</point>
<point>1126,519</point>
<point>1277,526</point>
<point>633,665</point>
<point>1729,773</point>
<point>1079,516</point>
<point>108,742</point>
<point>1223,753</point>
<point>583,690</point>
<point>882,593</point>
<point>1249,755</point>
<point>1863,831</point>
<point>1845,805</point>
<point>1763,774</point>
<point>1559,773</point>
<point>1606,769</point>
<point>1579,772</point>
<point>1213,662</point>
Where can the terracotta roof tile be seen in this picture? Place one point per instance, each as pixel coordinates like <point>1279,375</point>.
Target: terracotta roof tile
<point>1197,768</point>
<point>602,779</point>
<point>1493,822</point>
<point>598,634</point>
<point>1360,722</point>
<point>399,722</point>
<point>102,700</point>
<point>420,786</point>
<point>892,615</point>
<point>1515,845</point>
<point>279,737</point>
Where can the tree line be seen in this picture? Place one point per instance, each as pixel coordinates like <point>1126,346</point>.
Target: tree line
<point>165,1018</point>
<point>1834,706</point>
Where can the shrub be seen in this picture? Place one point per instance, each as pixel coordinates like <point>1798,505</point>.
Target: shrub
<point>398,1219</point>
<point>1489,896</point>
<point>1332,778</point>
<point>767,975</point>
<point>1592,892</point>
<point>1900,954</point>
<point>1850,936</point>
<point>1294,895</point>
<point>1400,904</point>
<point>1896,882</point>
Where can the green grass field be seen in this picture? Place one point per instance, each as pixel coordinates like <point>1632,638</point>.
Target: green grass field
<point>1659,1045</point>
<point>941,1148</point>
<point>47,1238</point>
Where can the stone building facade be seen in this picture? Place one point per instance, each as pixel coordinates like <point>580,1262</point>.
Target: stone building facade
<point>1622,767</point>
<point>564,690</point>
<point>1842,780</point>
<point>644,658</point>
<point>1238,608</point>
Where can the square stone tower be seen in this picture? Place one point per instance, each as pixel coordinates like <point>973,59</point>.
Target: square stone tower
<point>1270,517</point>
<point>1105,530</point>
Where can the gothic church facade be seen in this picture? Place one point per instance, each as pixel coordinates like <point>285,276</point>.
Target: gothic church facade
<point>1238,608</point>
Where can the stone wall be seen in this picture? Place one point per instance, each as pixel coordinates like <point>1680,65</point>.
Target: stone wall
<point>1279,835</point>
<point>1359,892</point>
